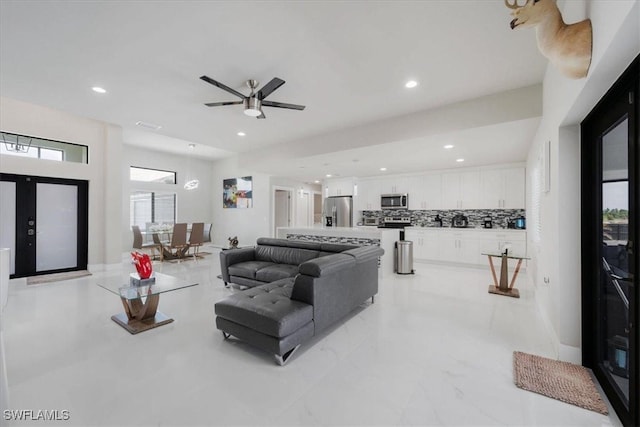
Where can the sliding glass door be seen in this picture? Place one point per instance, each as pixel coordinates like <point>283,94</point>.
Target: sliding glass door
<point>45,223</point>
<point>610,209</point>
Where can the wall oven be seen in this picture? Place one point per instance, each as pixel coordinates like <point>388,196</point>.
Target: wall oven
<point>394,201</point>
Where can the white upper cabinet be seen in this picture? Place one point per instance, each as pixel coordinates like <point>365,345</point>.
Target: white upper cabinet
<point>338,187</point>
<point>460,190</point>
<point>514,188</point>
<point>395,185</point>
<point>503,188</point>
<point>368,198</point>
<point>425,192</point>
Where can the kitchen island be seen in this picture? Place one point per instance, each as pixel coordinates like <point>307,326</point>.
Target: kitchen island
<point>363,236</point>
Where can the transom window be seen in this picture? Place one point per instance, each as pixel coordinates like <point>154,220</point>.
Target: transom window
<point>13,144</point>
<point>151,175</point>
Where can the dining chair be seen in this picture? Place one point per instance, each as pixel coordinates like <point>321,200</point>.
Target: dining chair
<point>140,245</point>
<point>196,237</point>
<point>207,233</point>
<point>178,246</point>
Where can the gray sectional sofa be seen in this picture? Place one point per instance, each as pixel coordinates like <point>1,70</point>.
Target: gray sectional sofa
<point>281,315</point>
<point>271,260</point>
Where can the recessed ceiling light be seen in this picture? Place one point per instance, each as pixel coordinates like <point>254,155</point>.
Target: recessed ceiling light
<point>459,160</point>
<point>317,181</point>
<point>98,89</point>
<point>411,84</point>
<point>241,134</point>
<point>328,175</point>
<point>448,147</point>
<point>383,169</point>
<point>192,146</point>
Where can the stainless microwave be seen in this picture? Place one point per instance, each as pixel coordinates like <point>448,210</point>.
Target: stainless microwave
<point>394,201</point>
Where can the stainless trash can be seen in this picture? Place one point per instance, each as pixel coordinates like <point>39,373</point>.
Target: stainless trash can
<point>404,257</point>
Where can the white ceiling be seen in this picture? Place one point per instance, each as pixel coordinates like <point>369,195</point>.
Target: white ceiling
<point>347,61</point>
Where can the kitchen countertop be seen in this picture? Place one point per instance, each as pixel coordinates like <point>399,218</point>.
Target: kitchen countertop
<point>359,231</point>
<point>499,230</point>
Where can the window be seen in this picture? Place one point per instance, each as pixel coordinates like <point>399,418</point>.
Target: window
<point>147,208</point>
<point>151,175</point>
<point>37,148</point>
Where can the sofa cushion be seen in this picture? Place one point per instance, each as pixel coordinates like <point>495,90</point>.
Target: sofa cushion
<point>267,309</point>
<point>284,255</point>
<point>276,272</point>
<point>247,268</point>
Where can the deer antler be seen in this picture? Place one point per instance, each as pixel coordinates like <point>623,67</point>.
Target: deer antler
<point>515,4</point>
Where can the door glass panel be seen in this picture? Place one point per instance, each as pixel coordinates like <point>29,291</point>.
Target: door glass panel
<point>615,283</point>
<point>56,225</point>
<point>8,220</point>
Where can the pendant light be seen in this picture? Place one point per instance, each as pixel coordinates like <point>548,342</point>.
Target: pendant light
<point>191,182</point>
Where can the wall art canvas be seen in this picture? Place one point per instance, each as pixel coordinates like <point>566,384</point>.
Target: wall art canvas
<point>237,192</point>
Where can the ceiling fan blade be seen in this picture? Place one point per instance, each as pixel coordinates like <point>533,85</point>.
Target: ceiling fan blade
<point>282,105</point>
<point>261,116</point>
<point>223,87</point>
<point>219,104</point>
<point>267,89</point>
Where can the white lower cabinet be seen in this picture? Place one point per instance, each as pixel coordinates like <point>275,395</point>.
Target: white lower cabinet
<point>425,243</point>
<point>463,246</point>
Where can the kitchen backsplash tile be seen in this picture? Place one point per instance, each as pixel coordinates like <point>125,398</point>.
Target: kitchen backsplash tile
<point>425,218</point>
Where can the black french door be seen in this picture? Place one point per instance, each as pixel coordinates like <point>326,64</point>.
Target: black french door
<point>45,223</point>
<point>610,151</point>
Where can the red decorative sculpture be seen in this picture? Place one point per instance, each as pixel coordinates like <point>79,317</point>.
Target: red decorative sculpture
<point>143,264</point>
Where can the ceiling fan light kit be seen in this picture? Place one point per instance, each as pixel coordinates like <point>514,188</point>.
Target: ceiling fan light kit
<point>255,101</point>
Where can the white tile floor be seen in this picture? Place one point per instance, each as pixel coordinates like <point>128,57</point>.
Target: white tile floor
<point>434,349</point>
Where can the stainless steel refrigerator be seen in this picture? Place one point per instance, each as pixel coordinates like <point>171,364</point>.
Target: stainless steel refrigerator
<point>337,211</point>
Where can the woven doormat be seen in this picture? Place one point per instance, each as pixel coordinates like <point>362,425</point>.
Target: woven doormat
<point>56,277</point>
<point>563,381</point>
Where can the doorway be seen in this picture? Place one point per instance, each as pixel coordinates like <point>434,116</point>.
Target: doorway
<point>44,221</point>
<point>282,208</point>
<point>610,150</point>
<point>304,210</point>
<point>317,208</point>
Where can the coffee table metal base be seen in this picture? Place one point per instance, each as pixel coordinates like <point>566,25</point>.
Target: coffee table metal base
<point>135,326</point>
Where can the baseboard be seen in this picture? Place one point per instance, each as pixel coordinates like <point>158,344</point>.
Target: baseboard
<point>94,268</point>
<point>548,326</point>
<point>568,353</point>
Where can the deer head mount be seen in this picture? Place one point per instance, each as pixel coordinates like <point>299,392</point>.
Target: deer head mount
<point>568,47</point>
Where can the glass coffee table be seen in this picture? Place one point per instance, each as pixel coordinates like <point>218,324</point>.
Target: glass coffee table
<point>141,302</point>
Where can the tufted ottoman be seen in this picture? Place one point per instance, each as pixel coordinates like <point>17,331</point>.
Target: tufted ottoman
<point>266,314</point>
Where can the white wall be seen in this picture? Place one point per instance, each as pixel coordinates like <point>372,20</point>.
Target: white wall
<point>616,42</point>
<point>192,205</point>
<point>247,224</point>
<point>104,142</point>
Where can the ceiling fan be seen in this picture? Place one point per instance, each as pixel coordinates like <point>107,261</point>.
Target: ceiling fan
<point>256,100</point>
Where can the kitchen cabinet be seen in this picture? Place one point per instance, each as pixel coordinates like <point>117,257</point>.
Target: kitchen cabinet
<point>461,190</point>
<point>395,185</point>
<point>425,243</point>
<point>425,192</point>
<point>338,187</point>
<point>368,198</point>
<point>503,188</point>
<point>498,242</point>
<point>463,246</point>
<point>459,246</point>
